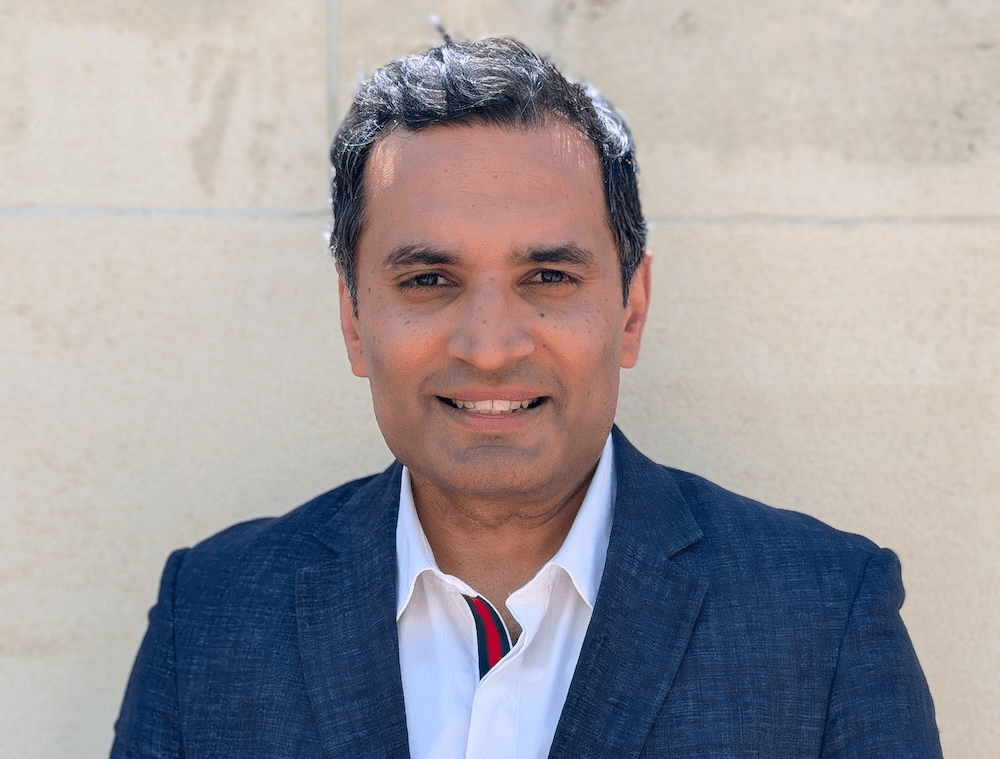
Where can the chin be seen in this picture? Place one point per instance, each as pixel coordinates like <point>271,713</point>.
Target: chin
<point>490,475</point>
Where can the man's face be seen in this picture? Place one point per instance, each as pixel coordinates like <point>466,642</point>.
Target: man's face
<point>489,316</point>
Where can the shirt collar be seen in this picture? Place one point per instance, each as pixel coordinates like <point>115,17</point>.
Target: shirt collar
<point>413,552</point>
<point>582,554</point>
<point>585,548</point>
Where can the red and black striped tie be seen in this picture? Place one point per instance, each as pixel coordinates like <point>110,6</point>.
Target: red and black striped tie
<point>493,641</point>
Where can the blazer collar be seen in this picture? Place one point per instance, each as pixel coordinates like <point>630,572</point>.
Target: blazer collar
<point>644,616</point>
<point>347,627</point>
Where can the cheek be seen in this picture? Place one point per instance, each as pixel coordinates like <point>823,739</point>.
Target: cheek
<point>587,343</point>
<point>398,344</point>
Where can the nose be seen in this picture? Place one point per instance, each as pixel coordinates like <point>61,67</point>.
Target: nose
<point>490,330</point>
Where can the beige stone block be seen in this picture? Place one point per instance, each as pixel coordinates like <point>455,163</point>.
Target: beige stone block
<point>163,104</point>
<point>842,109</point>
<point>849,373</point>
<point>163,378</point>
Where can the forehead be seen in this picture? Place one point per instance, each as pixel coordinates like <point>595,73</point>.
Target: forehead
<point>458,185</point>
<point>481,147</point>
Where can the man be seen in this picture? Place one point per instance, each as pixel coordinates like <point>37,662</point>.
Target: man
<point>522,582</point>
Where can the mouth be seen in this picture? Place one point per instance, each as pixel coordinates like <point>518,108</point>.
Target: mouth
<point>493,407</point>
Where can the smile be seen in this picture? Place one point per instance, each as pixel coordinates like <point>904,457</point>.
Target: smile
<point>493,406</point>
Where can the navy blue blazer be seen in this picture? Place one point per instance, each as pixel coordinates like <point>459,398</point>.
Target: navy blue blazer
<point>722,628</point>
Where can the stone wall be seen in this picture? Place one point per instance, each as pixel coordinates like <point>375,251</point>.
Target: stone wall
<point>821,181</point>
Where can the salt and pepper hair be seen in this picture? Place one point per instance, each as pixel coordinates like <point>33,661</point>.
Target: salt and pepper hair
<point>493,82</point>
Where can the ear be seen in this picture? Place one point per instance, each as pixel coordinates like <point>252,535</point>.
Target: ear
<point>349,326</point>
<point>636,311</point>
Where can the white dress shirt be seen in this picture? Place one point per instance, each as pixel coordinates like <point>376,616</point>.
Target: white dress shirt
<point>513,711</point>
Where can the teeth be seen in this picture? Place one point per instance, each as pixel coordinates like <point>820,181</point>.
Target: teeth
<point>493,407</point>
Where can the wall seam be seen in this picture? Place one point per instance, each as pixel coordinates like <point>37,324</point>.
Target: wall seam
<point>69,212</point>
<point>986,220</point>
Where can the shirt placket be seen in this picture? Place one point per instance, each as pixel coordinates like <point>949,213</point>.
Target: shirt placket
<point>494,722</point>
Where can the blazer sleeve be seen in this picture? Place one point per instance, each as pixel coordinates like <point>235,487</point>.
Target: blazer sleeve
<point>879,704</point>
<point>149,724</point>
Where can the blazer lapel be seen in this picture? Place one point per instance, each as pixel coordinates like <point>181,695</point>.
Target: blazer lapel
<point>643,618</point>
<point>347,627</point>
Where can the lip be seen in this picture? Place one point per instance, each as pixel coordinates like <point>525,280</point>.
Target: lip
<point>481,393</point>
<point>493,423</point>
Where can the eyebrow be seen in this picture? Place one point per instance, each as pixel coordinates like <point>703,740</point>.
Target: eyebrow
<point>420,254</point>
<point>567,253</point>
<point>417,254</point>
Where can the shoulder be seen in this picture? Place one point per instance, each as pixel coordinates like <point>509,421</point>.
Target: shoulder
<point>269,551</point>
<point>778,579</point>
<point>735,543</point>
<point>717,521</point>
<point>780,558</point>
<point>730,520</point>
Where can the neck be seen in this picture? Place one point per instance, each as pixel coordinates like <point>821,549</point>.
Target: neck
<point>494,546</point>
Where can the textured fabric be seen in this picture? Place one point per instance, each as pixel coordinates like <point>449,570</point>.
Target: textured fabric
<point>722,628</point>
<point>514,711</point>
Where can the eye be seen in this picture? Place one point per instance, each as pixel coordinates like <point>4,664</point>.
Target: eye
<point>551,277</point>
<point>424,280</point>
